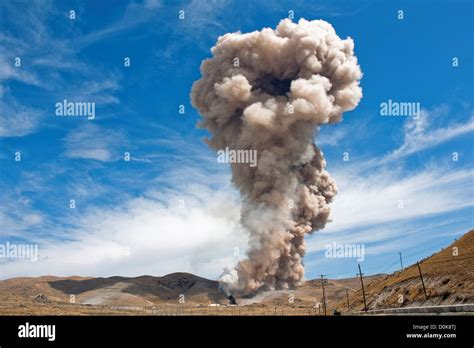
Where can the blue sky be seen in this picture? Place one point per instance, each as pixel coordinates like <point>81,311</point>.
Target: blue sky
<point>171,207</point>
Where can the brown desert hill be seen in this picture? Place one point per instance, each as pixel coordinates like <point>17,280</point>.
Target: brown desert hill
<point>21,288</point>
<point>448,276</point>
<point>116,291</point>
<point>151,289</point>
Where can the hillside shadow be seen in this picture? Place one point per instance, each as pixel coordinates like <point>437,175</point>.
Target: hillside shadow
<point>166,288</point>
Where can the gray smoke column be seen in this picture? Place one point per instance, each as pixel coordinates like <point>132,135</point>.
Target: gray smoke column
<point>269,91</point>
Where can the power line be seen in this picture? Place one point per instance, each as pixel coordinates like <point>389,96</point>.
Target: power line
<point>348,305</point>
<point>323,281</point>
<point>363,290</point>
<point>422,282</point>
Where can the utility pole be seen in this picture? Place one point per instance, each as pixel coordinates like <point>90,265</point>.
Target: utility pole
<point>422,282</point>
<point>401,263</point>
<point>324,294</point>
<point>347,295</point>
<point>363,290</point>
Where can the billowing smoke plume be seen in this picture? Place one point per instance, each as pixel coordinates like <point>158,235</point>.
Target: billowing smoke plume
<point>269,91</point>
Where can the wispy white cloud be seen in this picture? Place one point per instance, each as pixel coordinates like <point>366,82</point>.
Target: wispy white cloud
<point>330,137</point>
<point>46,60</point>
<point>93,142</point>
<point>17,216</point>
<point>135,14</point>
<point>101,92</point>
<point>9,72</point>
<point>202,25</point>
<point>17,120</point>
<point>374,198</point>
<point>420,135</point>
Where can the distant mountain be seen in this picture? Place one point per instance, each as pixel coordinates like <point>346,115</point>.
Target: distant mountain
<point>113,291</point>
<point>152,289</point>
